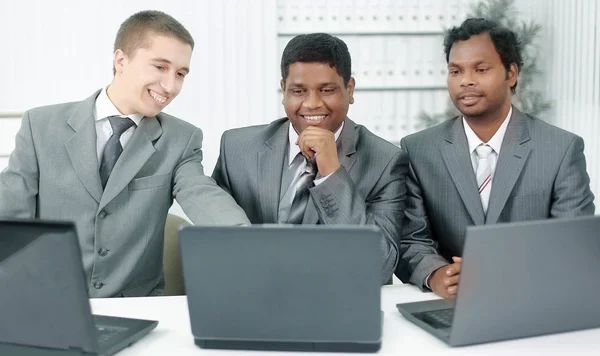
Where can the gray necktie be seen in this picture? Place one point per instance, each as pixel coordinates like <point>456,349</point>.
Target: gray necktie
<point>302,183</point>
<point>113,147</point>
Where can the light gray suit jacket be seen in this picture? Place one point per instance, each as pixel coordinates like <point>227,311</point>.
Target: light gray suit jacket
<point>541,173</point>
<point>53,174</point>
<point>369,188</point>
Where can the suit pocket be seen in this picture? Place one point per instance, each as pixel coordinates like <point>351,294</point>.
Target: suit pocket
<point>150,182</point>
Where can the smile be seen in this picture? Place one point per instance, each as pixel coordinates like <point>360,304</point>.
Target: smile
<point>159,98</point>
<point>314,118</point>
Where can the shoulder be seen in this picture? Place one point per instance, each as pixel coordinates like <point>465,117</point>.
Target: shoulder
<point>368,141</point>
<point>252,135</point>
<point>428,137</point>
<point>543,133</point>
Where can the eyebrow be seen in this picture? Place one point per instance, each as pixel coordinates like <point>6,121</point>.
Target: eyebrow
<point>302,84</point>
<point>479,62</point>
<point>166,61</point>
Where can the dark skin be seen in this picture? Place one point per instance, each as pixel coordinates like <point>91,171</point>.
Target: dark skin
<point>316,102</point>
<point>479,86</point>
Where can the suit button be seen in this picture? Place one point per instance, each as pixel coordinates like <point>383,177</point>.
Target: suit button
<point>102,214</point>
<point>323,199</point>
<point>103,252</point>
<point>98,285</point>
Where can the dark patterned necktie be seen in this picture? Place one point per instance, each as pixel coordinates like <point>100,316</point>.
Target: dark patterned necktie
<point>113,148</point>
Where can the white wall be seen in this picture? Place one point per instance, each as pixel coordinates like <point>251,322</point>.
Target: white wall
<point>570,60</point>
<point>61,50</point>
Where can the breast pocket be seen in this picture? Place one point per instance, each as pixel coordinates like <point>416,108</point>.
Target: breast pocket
<point>151,182</point>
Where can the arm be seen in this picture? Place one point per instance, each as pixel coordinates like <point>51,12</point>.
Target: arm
<point>419,256</point>
<point>571,195</point>
<point>338,202</point>
<point>19,182</point>
<point>203,201</point>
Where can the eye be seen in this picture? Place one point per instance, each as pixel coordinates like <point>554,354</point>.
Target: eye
<point>181,75</point>
<point>482,70</point>
<point>328,90</point>
<point>159,67</point>
<point>297,91</point>
<point>453,72</point>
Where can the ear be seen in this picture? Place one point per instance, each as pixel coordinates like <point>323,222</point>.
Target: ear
<point>119,60</point>
<point>350,87</point>
<point>512,74</point>
<point>282,85</point>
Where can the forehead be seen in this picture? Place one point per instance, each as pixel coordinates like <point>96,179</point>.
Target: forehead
<point>312,73</point>
<point>166,47</point>
<point>475,49</point>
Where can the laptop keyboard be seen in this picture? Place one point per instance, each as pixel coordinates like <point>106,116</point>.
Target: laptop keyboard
<point>439,319</point>
<point>106,333</point>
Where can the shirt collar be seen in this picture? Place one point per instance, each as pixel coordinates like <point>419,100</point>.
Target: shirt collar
<point>105,108</point>
<point>293,137</point>
<point>495,142</point>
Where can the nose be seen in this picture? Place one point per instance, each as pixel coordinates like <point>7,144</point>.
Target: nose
<point>312,101</point>
<point>169,83</point>
<point>467,79</point>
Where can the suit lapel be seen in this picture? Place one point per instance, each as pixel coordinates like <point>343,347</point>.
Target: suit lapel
<point>81,147</point>
<point>455,152</point>
<point>269,170</point>
<point>136,153</point>
<point>346,147</point>
<point>511,161</point>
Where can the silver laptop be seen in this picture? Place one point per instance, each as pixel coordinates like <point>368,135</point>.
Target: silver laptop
<point>268,287</point>
<point>43,298</point>
<point>519,280</point>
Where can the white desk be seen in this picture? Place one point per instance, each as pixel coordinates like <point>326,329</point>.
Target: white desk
<point>173,335</point>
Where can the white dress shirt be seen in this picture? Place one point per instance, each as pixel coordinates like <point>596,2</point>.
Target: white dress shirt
<point>495,143</point>
<point>102,110</point>
<point>294,149</point>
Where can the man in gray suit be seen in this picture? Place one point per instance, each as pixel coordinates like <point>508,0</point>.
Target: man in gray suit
<point>113,162</point>
<point>492,165</point>
<point>270,169</point>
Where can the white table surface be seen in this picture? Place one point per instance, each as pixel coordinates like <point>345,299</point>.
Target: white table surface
<point>173,334</point>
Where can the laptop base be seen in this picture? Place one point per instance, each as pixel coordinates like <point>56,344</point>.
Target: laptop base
<point>290,346</point>
<point>24,350</point>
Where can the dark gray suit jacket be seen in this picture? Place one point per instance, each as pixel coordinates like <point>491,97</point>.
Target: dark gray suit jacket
<point>541,173</point>
<point>53,174</point>
<point>369,188</point>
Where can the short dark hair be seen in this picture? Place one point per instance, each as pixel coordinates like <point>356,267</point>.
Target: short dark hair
<point>133,33</point>
<point>320,48</point>
<point>505,41</point>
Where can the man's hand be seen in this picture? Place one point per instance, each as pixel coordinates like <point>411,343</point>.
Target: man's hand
<point>444,280</point>
<point>320,143</point>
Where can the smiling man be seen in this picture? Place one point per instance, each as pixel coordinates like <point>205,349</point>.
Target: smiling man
<point>113,163</point>
<point>490,165</point>
<point>316,166</point>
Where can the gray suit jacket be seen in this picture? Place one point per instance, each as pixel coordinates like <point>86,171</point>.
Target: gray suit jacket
<point>541,173</point>
<point>53,174</point>
<point>369,188</point>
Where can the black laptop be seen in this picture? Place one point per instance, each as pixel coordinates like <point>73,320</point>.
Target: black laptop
<point>518,280</point>
<point>301,288</point>
<point>44,304</point>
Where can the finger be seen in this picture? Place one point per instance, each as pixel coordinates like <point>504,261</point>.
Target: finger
<point>451,281</point>
<point>453,269</point>
<point>457,259</point>
<point>452,290</point>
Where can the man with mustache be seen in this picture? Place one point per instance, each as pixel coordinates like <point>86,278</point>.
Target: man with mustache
<point>491,165</point>
<point>316,166</point>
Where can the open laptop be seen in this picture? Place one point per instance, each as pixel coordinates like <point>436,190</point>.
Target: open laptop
<point>268,287</point>
<point>43,298</point>
<point>519,280</point>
